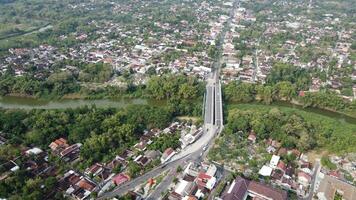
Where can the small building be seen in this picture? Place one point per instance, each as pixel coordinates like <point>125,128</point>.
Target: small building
<point>167,154</point>
<point>120,179</point>
<point>184,188</point>
<point>58,145</point>
<point>304,178</point>
<point>34,151</point>
<point>242,188</point>
<point>265,171</point>
<point>94,170</point>
<point>274,161</point>
<point>205,181</point>
<point>281,166</point>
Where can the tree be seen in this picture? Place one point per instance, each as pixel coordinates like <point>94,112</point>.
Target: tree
<point>264,93</point>
<point>284,90</point>
<point>134,169</point>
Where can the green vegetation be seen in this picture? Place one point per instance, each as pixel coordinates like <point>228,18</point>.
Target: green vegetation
<point>166,141</point>
<point>286,91</point>
<point>19,186</point>
<point>338,196</point>
<point>325,161</point>
<point>322,133</point>
<point>98,72</point>
<point>104,134</point>
<point>58,84</point>
<point>175,87</point>
<point>286,72</point>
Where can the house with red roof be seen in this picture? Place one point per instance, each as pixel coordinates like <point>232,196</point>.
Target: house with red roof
<point>281,166</point>
<point>205,181</point>
<point>58,145</point>
<point>304,178</point>
<point>167,154</point>
<point>120,179</point>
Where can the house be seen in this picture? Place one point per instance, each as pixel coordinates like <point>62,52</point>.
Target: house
<point>281,166</point>
<point>58,145</point>
<point>274,161</point>
<point>205,181</point>
<point>82,189</point>
<point>271,149</point>
<point>167,154</point>
<point>120,179</point>
<point>304,178</point>
<point>141,146</point>
<point>125,155</point>
<point>116,162</point>
<point>34,151</point>
<point>94,170</point>
<point>334,173</point>
<point>185,188</point>
<point>192,169</point>
<point>75,185</point>
<point>329,186</point>
<point>277,175</point>
<point>71,153</point>
<point>242,189</point>
<point>142,160</point>
<point>265,171</point>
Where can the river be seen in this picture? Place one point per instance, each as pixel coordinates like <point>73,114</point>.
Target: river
<point>31,103</point>
<point>9,102</point>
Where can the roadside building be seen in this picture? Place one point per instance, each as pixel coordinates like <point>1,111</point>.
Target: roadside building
<point>242,188</point>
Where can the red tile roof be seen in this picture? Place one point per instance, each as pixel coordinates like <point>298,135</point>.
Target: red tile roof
<point>242,186</point>
<point>120,178</point>
<point>281,165</point>
<point>302,174</point>
<point>87,185</point>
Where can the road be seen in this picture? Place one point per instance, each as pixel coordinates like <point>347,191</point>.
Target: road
<point>190,153</point>
<point>213,124</point>
<point>311,189</point>
<point>162,187</point>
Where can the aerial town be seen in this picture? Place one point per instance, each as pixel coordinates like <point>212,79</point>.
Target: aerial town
<point>178,100</point>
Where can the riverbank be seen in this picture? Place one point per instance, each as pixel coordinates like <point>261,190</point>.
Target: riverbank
<point>28,103</point>
<point>337,130</point>
<point>290,107</point>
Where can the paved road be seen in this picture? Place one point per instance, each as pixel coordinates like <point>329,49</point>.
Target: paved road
<point>311,190</point>
<point>218,105</point>
<point>209,104</point>
<point>213,123</point>
<point>192,152</point>
<point>163,186</point>
<point>142,179</point>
